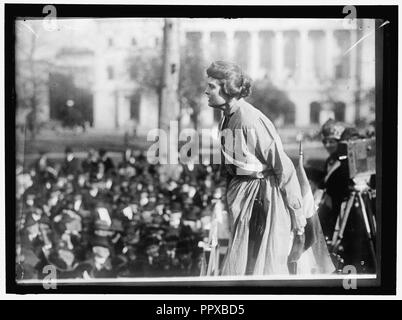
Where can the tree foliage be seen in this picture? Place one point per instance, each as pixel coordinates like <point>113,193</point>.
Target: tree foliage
<point>64,89</point>
<point>192,82</point>
<point>145,67</point>
<point>273,102</point>
<point>31,73</point>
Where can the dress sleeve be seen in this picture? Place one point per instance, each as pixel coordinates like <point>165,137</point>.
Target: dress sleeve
<point>270,149</point>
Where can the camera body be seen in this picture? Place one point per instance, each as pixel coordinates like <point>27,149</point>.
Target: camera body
<point>361,155</point>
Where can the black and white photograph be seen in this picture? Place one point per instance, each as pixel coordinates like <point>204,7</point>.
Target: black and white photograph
<point>180,149</point>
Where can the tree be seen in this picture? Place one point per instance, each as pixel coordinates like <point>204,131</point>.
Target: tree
<point>273,102</point>
<point>31,73</point>
<point>192,80</point>
<point>145,65</point>
<point>63,91</point>
<point>146,68</point>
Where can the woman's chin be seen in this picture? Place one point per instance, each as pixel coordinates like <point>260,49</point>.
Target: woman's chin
<point>214,106</point>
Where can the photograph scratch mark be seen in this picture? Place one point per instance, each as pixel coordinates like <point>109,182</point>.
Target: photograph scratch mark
<point>364,37</point>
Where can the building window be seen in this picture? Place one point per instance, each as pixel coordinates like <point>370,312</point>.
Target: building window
<point>317,39</point>
<point>290,114</point>
<point>315,109</point>
<point>266,50</point>
<point>342,65</point>
<point>193,43</point>
<point>133,73</point>
<point>110,72</point>
<point>135,104</point>
<point>339,111</point>
<point>242,52</point>
<point>218,46</point>
<point>291,48</point>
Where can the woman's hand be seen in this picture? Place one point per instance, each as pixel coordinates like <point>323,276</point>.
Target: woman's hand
<point>300,223</point>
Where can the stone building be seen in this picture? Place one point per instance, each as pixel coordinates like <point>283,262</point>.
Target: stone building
<point>315,61</point>
<point>309,59</point>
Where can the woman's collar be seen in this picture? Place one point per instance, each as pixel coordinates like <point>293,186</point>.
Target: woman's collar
<point>233,106</point>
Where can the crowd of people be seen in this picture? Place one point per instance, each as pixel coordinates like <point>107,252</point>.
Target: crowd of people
<point>99,219</point>
<point>95,218</point>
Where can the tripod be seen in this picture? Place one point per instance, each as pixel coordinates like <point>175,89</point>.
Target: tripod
<point>360,192</point>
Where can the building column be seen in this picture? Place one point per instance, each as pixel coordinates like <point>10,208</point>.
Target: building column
<point>305,58</point>
<point>302,100</point>
<point>205,42</point>
<point>329,54</point>
<point>350,109</point>
<point>230,36</point>
<point>124,109</point>
<point>278,56</point>
<point>254,55</point>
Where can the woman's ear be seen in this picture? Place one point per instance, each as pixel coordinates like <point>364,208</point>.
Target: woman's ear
<point>223,92</point>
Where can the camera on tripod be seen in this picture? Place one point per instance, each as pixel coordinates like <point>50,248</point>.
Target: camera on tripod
<point>361,157</point>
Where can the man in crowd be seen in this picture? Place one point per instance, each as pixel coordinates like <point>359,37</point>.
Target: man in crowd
<point>108,225</point>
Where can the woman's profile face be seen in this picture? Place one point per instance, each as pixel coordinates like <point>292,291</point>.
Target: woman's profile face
<point>213,92</point>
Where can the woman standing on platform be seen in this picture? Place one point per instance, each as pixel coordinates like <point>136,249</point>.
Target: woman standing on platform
<point>263,193</point>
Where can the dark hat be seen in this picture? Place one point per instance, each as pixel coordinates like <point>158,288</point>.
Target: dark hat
<point>172,237</point>
<point>102,151</point>
<point>350,133</point>
<point>29,221</point>
<point>332,130</point>
<point>175,206</point>
<point>117,225</point>
<point>155,228</point>
<point>98,241</point>
<point>45,220</point>
<point>102,225</point>
<point>150,240</point>
<point>68,150</point>
<point>192,215</point>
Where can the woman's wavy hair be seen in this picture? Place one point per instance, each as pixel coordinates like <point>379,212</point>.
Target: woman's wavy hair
<point>233,81</point>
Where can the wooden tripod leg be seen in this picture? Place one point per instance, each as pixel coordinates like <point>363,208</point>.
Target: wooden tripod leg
<point>344,222</point>
<point>368,229</point>
<point>338,223</point>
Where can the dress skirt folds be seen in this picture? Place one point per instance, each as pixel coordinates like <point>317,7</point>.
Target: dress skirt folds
<point>275,243</point>
<point>263,170</point>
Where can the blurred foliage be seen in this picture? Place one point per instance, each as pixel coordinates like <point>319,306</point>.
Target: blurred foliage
<point>31,76</point>
<point>145,65</point>
<point>272,101</point>
<point>63,89</point>
<point>192,81</point>
<point>146,69</point>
